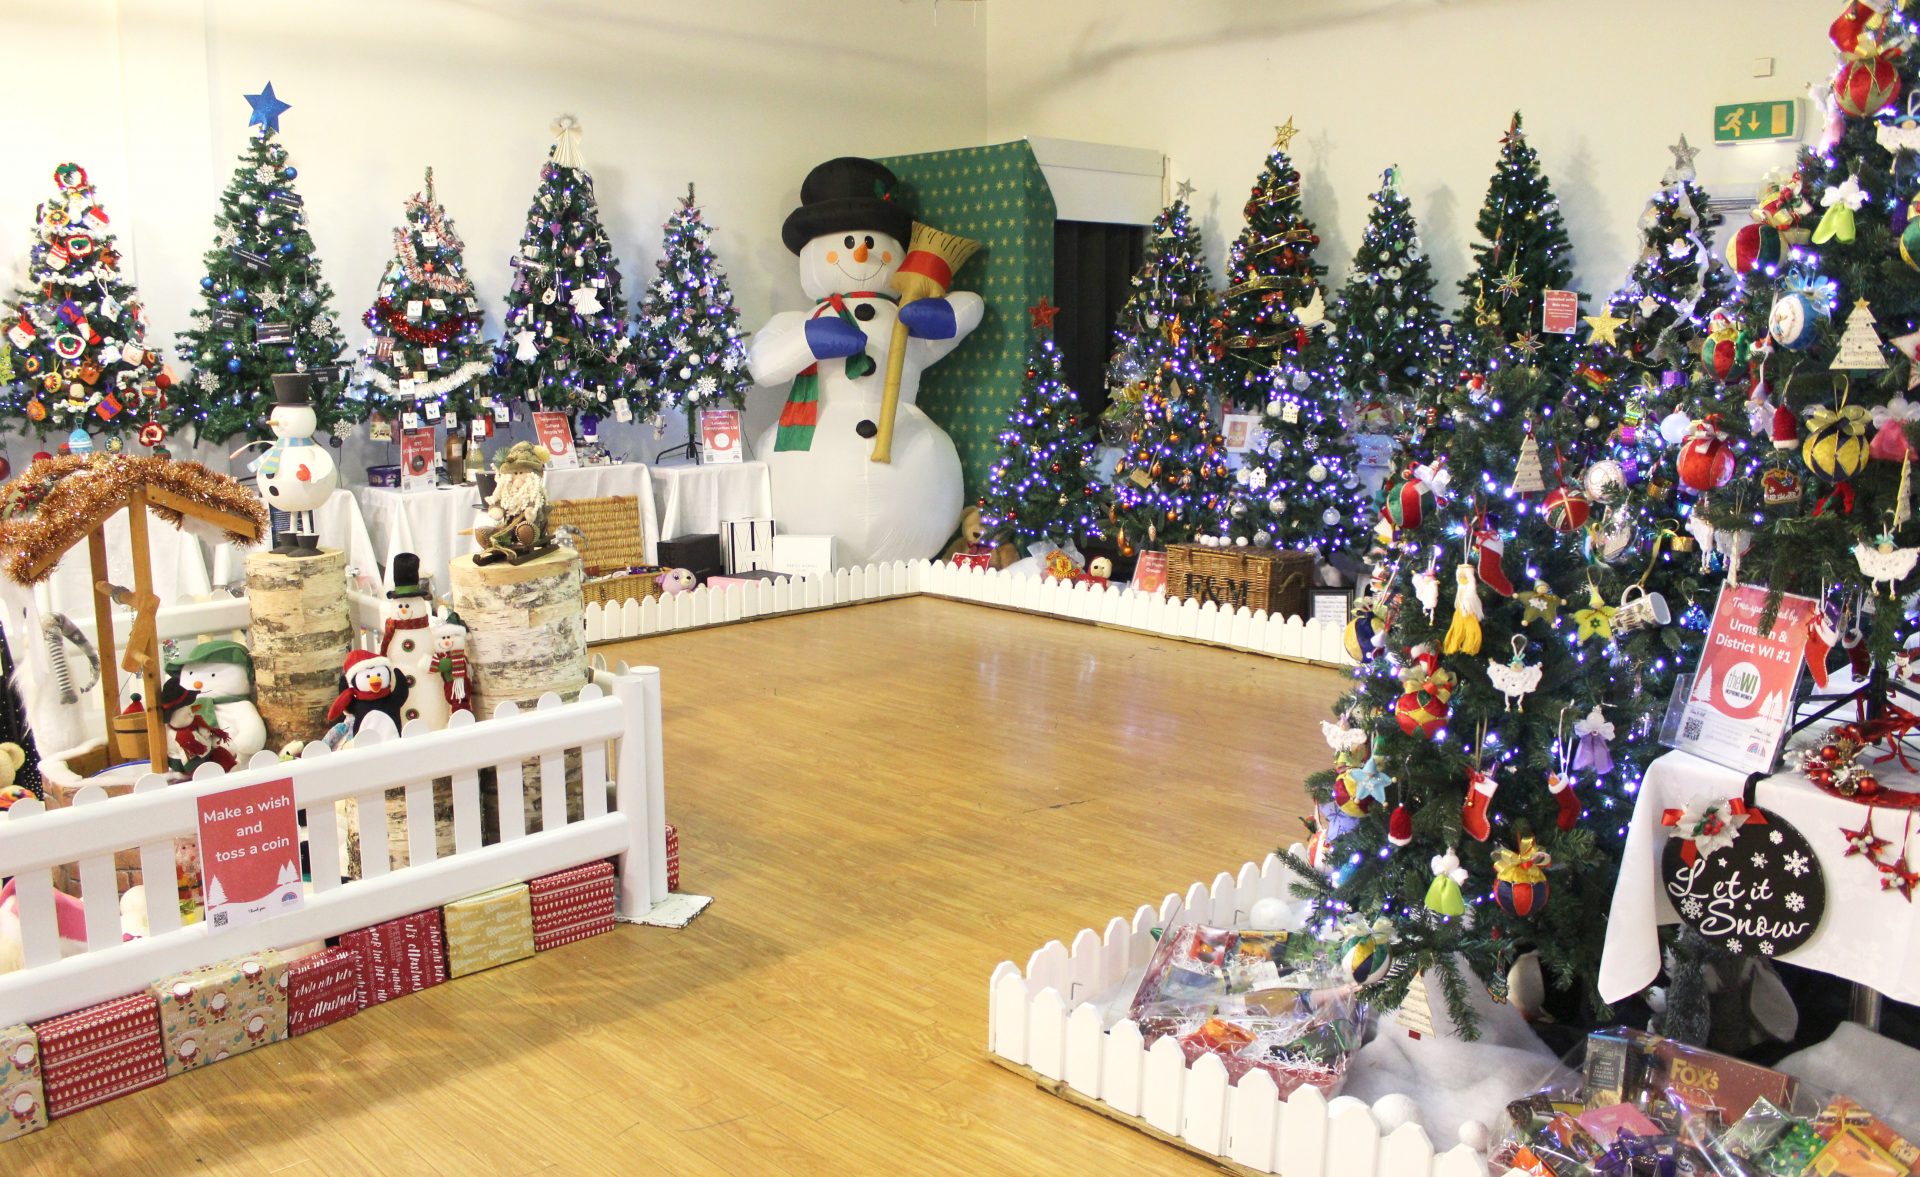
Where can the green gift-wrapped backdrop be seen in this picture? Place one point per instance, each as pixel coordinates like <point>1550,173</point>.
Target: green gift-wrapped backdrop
<point>997,196</point>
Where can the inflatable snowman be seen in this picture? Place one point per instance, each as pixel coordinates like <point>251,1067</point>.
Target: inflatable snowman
<point>217,722</point>
<point>851,236</point>
<point>297,474</point>
<point>407,642</point>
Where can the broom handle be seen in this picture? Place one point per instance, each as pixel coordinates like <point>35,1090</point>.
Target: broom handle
<point>890,394</point>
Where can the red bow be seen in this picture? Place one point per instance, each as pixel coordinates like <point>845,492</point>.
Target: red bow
<point>1689,852</point>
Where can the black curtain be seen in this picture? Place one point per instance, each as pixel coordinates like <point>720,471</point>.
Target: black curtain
<point>1093,267</point>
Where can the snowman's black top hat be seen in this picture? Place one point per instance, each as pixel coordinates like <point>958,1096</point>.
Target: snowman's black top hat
<point>292,388</point>
<point>406,577</point>
<point>846,194</point>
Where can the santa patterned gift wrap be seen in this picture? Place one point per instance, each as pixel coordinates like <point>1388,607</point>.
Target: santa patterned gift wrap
<point>488,929</point>
<point>398,957</point>
<point>673,858</point>
<point>101,1052</point>
<point>21,1089</point>
<point>219,1010</point>
<point>572,904</point>
<point>322,988</point>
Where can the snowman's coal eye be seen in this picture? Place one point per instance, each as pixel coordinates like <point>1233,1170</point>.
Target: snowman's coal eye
<point>869,243</point>
<point>849,241</point>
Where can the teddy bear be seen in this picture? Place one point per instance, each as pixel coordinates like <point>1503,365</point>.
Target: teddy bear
<point>12,759</point>
<point>972,538</point>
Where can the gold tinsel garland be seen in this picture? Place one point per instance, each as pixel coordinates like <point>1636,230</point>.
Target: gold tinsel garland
<point>58,502</point>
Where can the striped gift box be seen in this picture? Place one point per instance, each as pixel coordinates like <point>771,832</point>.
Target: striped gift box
<point>673,858</point>
<point>398,957</point>
<point>322,988</point>
<point>572,904</point>
<point>96,1054</point>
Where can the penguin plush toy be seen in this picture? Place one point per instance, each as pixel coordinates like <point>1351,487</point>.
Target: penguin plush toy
<point>368,683</point>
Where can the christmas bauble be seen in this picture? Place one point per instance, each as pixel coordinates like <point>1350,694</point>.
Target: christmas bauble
<point>1675,426</point>
<point>1346,796</point>
<point>1274,408</point>
<point>1836,446</point>
<point>1720,354</point>
<point>1611,541</point>
<point>1795,321</point>
<point>1910,234</point>
<point>1705,462</point>
<point>1520,900</point>
<point>1277,505</point>
<point>1566,510</point>
<point>1331,517</point>
<point>1407,504</point>
<point>1420,712</point>
<point>1866,86</point>
<point>1365,959</point>
<point>1317,473</point>
<point>1301,381</point>
<point>1754,246</point>
<point>1605,480</point>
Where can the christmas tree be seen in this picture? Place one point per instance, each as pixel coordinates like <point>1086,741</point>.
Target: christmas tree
<point>1274,347</point>
<point>427,352</point>
<point>1523,252</point>
<point>689,333</point>
<point>1170,480</point>
<point>77,337</point>
<point>265,306</point>
<point>1042,486</point>
<point>565,344</point>
<point>1162,320</point>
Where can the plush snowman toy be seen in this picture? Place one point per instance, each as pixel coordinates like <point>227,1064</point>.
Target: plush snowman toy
<point>297,474</point>
<point>851,234</point>
<point>219,676</point>
<point>406,641</point>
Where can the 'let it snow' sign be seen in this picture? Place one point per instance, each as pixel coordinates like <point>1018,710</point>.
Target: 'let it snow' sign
<point>250,853</point>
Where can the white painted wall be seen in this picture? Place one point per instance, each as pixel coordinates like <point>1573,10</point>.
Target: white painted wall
<point>740,96</point>
<point>1429,84</point>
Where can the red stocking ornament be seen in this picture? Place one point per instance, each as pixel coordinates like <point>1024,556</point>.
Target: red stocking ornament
<point>1473,815</point>
<point>1490,548</point>
<point>1569,802</point>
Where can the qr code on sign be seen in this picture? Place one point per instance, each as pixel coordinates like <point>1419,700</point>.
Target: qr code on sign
<point>1691,728</point>
<point>219,919</point>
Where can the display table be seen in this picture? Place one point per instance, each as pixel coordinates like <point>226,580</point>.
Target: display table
<point>1870,936</point>
<point>695,500</point>
<point>340,526</point>
<point>430,523</point>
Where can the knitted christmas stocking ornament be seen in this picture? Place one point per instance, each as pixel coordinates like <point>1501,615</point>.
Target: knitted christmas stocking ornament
<point>1491,548</point>
<point>1473,815</point>
<point>1563,795</point>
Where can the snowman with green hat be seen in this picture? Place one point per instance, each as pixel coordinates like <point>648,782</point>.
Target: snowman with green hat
<point>208,705</point>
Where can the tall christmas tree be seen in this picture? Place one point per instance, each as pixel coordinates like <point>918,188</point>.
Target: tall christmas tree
<point>426,352</point>
<point>77,336</point>
<point>265,307</point>
<point>690,341</point>
<point>565,344</point>
<point>1170,480</point>
<point>1163,319</point>
<point>1274,345</point>
<point>1042,485</point>
<point>1523,252</point>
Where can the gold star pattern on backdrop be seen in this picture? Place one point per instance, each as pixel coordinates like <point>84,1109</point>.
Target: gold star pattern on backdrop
<point>1283,134</point>
<point>1606,326</point>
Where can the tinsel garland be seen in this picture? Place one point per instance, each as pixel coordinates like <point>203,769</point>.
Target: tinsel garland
<point>383,312</point>
<point>410,260</point>
<point>59,501</point>
<point>445,384</point>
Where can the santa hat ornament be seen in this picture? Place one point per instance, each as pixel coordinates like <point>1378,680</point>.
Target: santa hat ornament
<point>1399,827</point>
<point>1786,429</point>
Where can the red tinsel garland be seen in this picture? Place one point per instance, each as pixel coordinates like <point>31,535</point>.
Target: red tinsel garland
<point>383,312</point>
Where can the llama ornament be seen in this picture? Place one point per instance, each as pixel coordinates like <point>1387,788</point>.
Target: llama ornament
<point>851,235</point>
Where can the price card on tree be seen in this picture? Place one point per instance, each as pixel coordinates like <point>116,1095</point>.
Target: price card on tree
<point>1741,700</point>
<point>719,436</point>
<point>416,459</point>
<point>250,853</point>
<point>555,432</point>
<point>1559,311</point>
<point>1236,429</point>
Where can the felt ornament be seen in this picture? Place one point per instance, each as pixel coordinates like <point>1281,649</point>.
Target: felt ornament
<point>1366,952</point>
<point>1489,548</point>
<point>1444,896</point>
<point>1515,679</point>
<point>1520,879</point>
<point>1785,429</point>
<point>1590,751</point>
<point>1481,786</point>
<point>1883,563</point>
<point>1343,738</point>
<point>1865,86</point>
<point>1852,24</point>
<point>1860,344</point>
<point>1566,509</point>
<point>1755,246</point>
<point>1596,619</point>
<point>1345,793</point>
<point>1560,787</point>
<point>1400,827</point>
<point>1841,201</point>
<point>1541,604</point>
<point>1463,634</point>
<point>1426,590</point>
<point>1407,504</point>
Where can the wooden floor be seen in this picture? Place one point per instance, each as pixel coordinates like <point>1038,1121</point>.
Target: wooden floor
<point>884,801</point>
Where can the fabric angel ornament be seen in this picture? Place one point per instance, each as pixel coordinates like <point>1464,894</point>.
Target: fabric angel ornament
<point>1591,736</point>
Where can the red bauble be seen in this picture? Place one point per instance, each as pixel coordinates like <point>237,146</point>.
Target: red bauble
<point>1520,900</point>
<point>1421,712</point>
<point>1866,86</point>
<point>1566,510</point>
<point>1706,460</point>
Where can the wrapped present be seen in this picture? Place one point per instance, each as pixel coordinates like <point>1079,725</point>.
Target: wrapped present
<point>218,1010</point>
<point>100,1053</point>
<point>748,544</point>
<point>21,1089</point>
<point>322,988</point>
<point>488,929</point>
<point>572,904</point>
<point>398,957</point>
<point>673,858</point>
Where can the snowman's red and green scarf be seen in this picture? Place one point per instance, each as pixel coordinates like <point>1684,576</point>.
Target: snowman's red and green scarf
<point>802,410</point>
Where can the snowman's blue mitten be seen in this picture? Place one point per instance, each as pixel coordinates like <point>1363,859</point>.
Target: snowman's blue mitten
<point>929,318</point>
<point>830,337</point>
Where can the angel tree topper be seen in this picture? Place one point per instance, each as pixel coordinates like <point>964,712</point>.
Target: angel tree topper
<point>851,236</point>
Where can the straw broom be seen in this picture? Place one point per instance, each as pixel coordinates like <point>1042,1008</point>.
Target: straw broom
<point>926,272</point>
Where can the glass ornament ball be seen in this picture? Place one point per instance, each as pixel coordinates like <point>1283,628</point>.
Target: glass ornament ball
<point>1277,505</point>
<point>1366,357</point>
<point>1592,421</point>
<point>1317,472</point>
<point>1263,538</point>
<point>1380,313</point>
<point>291,172</point>
<point>1274,407</point>
<point>1331,518</point>
<point>1239,510</point>
<point>1301,381</point>
<point>233,365</point>
<point>287,248</point>
<point>206,283</point>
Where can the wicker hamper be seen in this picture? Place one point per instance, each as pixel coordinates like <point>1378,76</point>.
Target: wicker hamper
<point>611,544</point>
<point>1272,580</point>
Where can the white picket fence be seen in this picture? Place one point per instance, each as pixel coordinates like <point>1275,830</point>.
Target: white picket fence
<point>1254,631</point>
<point>615,733</point>
<point>1043,1020</point>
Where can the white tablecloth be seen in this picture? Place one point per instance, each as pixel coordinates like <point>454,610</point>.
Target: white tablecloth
<point>179,567</point>
<point>429,523</point>
<point>696,500</point>
<point>1869,935</point>
<point>340,526</point>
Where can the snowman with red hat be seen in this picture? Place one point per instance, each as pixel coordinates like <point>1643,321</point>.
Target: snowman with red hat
<point>898,502</point>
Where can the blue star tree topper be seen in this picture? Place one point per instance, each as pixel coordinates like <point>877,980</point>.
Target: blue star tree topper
<point>267,109</point>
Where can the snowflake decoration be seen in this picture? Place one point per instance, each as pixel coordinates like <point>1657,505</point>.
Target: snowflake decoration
<point>657,321</point>
<point>1735,947</point>
<point>1766,948</point>
<point>666,288</point>
<point>1797,863</point>
<point>1691,908</point>
<point>706,386</point>
<point>1796,901</point>
<point>729,364</point>
<point>1759,861</point>
<point>207,381</point>
<point>1776,837</point>
<point>227,237</point>
<point>265,174</point>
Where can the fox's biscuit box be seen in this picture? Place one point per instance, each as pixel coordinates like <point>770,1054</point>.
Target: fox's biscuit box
<point>220,1010</point>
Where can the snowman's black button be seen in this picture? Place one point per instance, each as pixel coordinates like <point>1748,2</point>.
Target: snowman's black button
<point>866,429</point>
<point>863,312</point>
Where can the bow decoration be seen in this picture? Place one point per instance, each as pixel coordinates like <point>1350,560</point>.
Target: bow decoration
<point>1707,827</point>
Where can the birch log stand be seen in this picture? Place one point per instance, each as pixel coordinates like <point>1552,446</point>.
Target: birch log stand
<point>526,635</point>
<point>301,636</point>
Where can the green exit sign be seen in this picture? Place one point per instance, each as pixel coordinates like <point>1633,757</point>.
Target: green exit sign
<point>1744,122</point>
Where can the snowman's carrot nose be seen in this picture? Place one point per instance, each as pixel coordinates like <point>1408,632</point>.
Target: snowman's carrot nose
<point>860,252</point>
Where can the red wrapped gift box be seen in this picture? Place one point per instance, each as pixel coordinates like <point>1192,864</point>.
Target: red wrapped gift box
<point>322,988</point>
<point>673,858</point>
<point>572,904</point>
<point>398,957</point>
<point>96,1054</point>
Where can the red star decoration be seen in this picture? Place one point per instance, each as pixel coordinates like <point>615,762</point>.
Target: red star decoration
<point>1864,841</point>
<point>1897,876</point>
<point>1042,314</point>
